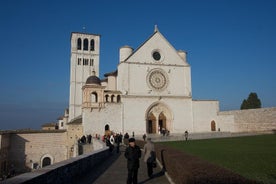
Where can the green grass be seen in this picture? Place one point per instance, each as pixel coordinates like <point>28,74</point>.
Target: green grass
<point>253,157</point>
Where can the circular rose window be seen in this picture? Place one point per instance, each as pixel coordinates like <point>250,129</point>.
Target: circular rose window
<point>157,79</point>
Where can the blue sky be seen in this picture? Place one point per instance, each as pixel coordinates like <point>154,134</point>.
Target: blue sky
<point>231,47</point>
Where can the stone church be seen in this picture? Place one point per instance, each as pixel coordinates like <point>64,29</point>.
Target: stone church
<point>150,89</point>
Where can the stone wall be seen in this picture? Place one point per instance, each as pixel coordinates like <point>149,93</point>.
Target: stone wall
<point>252,120</point>
<point>204,112</point>
<point>28,149</point>
<point>63,172</point>
<point>74,132</point>
<point>95,120</point>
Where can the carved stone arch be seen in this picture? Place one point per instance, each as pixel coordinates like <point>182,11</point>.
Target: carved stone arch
<point>46,160</point>
<point>163,117</point>
<point>159,104</point>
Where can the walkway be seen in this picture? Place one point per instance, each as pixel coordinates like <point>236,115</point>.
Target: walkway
<point>114,171</point>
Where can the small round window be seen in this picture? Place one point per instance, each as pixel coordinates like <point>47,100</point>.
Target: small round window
<point>156,55</point>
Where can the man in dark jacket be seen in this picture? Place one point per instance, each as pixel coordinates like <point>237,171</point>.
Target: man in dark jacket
<point>132,154</point>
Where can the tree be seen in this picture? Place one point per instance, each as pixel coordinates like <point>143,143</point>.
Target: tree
<point>252,102</point>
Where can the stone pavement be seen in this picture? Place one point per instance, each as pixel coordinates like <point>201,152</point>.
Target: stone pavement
<point>114,171</point>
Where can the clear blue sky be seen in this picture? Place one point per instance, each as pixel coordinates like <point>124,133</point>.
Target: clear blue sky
<point>231,47</point>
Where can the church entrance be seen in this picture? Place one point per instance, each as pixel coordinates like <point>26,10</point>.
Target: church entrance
<point>162,122</point>
<point>107,131</point>
<point>151,124</point>
<point>46,161</point>
<point>158,119</point>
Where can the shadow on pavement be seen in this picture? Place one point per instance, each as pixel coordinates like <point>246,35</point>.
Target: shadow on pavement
<point>92,175</point>
<point>156,175</point>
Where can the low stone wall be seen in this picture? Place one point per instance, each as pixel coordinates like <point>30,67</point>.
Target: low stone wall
<point>67,171</point>
<point>253,120</point>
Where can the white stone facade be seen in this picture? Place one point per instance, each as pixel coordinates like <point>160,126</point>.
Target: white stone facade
<point>151,89</point>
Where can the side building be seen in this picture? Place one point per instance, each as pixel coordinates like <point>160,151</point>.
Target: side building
<point>23,151</point>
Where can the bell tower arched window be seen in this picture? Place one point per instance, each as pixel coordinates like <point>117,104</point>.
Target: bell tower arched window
<point>92,45</point>
<point>79,44</point>
<point>85,44</point>
<point>94,97</point>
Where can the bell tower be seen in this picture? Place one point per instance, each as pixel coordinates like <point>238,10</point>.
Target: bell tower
<point>84,60</point>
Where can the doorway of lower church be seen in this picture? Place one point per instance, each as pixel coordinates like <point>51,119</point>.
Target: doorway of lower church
<point>151,124</point>
<point>158,119</point>
<point>162,123</point>
<point>46,161</point>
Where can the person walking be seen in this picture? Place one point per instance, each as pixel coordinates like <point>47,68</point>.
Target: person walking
<point>126,137</point>
<point>144,137</point>
<point>118,140</point>
<point>149,156</point>
<point>186,134</point>
<point>112,141</point>
<point>132,154</point>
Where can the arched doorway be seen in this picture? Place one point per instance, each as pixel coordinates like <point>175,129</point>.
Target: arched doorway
<point>106,127</point>
<point>213,126</point>
<point>46,161</point>
<point>158,116</point>
<point>162,122</point>
<point>107,131</point>
<point>151,124</point>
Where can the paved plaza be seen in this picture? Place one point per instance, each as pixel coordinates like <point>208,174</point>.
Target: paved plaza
<point>114,171</point>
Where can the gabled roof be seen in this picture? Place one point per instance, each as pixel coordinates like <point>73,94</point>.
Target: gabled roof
<point>156,31</point>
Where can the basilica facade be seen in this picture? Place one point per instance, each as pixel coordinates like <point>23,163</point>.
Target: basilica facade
<point>150,90</point>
